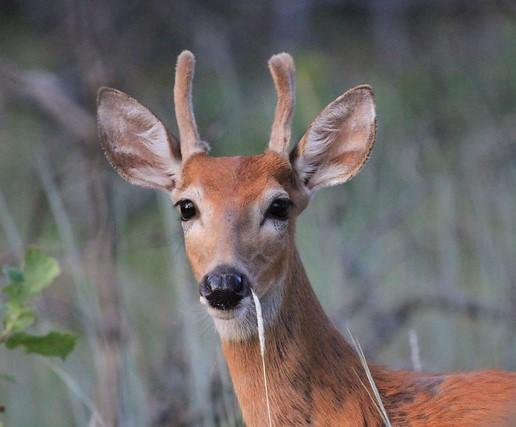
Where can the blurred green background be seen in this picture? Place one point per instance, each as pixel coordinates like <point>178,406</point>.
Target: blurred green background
<point>417,255</point>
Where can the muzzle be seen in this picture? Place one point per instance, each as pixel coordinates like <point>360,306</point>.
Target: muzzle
<point>224,287</point>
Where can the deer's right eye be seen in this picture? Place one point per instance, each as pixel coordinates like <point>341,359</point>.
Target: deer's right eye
<point>279,209</point>
<point>187,209</point>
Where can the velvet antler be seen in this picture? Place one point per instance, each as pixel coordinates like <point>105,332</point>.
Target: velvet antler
<point>188,134</point>
<point>283,73</point>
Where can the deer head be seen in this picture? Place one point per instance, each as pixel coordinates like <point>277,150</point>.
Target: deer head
<point>238,213</point>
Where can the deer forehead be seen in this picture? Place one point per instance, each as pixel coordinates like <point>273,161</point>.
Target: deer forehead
<point>241,178</point>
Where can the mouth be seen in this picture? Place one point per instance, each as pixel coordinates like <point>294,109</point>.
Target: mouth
<point>225,312</point>
<point>224,300</point>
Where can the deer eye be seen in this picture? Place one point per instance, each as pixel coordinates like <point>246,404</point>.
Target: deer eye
<point>187,209</point>
<point>279,209</point>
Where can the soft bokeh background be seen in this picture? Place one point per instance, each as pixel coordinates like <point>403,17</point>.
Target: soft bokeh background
<point>417,255</point>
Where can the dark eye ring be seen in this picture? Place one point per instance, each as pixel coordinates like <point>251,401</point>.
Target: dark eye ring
<point>187,209</point>
<point>279,209</point>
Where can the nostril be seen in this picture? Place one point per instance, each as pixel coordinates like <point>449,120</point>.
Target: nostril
<point>234,282</point>
<point>214,281</point>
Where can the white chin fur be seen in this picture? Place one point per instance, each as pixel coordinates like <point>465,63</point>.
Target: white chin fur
<point>240,324</point>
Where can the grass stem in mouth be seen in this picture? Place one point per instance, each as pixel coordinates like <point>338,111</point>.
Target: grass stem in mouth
<point>261,335</point>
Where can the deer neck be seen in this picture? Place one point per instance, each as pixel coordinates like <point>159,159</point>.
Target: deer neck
<point>312,372</point>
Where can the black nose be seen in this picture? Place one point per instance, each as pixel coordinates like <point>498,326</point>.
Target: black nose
<point>224,287</point>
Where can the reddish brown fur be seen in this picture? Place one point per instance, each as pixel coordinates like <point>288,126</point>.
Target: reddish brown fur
<point>233,183</point>
<point>241,178</point>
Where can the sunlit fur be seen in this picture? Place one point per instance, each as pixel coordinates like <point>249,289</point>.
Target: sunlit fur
<point>232,195</point>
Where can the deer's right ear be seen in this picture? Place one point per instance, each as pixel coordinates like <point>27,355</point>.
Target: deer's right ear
<point>135,141</point>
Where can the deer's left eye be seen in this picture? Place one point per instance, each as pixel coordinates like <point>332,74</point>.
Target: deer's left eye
<point>279,209</point>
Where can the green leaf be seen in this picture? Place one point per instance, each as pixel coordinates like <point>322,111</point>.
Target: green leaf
<point>12,311</point>
<point>39,270</point>
<point>17,293</point>
<point>53,344</point>
<point>25,318</point>
<point>13,274</point>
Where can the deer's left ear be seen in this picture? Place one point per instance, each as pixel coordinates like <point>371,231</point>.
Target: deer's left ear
<point>338,142</point>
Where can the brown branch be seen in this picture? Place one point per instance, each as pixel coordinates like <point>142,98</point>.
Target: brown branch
<point>47,92</point>
<point>387,323</point>
<point>390,219</point>
<point>351,261</point>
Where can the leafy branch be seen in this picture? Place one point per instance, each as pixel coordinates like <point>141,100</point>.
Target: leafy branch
<point>16,311</point>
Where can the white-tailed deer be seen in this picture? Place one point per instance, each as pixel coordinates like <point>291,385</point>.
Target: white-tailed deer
<point>238,216</point>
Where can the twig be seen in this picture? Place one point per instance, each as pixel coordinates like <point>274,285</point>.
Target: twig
<point>415,353</point>
<point>388,322</point>
<point>351,254</point>
<point>47,92</point>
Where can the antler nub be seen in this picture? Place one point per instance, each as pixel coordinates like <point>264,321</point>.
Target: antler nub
<point>188,134</point>
<point>283,73</point>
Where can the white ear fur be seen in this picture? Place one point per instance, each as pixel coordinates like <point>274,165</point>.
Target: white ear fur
<point>338,142</point>
<point>135,142</point>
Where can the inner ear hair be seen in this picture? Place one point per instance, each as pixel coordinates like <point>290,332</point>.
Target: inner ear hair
<point>135,142</point>
<point>339,141</point>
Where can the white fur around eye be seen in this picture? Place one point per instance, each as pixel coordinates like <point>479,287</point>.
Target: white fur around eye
<point>274,226</point>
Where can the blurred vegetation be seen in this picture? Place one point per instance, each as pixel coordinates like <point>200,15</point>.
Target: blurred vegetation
<point>421,244</point>
<point>24,284</point>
